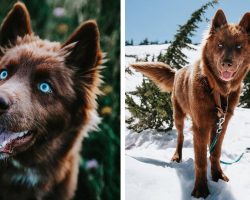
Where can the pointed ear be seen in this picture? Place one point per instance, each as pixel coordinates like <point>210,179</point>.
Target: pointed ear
<point>218,21</point>
<point>161,74</point>
<point>85,52</point>
<point>245,22</point>
<point>17,23</point>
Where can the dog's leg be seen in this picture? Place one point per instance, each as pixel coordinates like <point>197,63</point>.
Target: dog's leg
<point>179,123</point>
<point>201,137</point>
<point>216,170</point>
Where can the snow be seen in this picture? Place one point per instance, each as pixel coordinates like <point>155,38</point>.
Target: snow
<point>150,175</point>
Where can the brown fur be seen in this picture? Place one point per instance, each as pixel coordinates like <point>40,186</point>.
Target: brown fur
<point>57,120</point>
<point>192,86</point>
<point>158,72</point>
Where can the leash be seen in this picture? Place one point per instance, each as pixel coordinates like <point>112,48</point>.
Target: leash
<point>222,116</point>
<point>232,162</point>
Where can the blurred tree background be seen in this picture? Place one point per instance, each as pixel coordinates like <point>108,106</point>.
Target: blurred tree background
<point>55,20</point>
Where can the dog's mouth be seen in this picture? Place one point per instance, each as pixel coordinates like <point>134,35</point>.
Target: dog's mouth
<point>10,141</point>
<point>226,75</point>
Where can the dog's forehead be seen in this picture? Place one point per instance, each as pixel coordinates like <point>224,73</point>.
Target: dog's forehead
<point>33,53</point>
<point>232,32</point>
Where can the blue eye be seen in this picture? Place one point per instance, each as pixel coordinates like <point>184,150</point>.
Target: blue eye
<point>3,74</point>
<point>44,87</point>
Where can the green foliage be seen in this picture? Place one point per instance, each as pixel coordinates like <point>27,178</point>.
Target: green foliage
<point>154,42</point>
<point>245,98</point>
<point>129,43</point>
<point>153,111</point>
<point>102,179</point>
<point>149,107</point>
<point>182,39</point>
<point>144,42</point>
<point>104,145</point>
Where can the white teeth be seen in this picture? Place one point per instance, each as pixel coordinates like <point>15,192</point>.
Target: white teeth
<point>4,143</point>
<point>21,134</point>
<point>14,136</point>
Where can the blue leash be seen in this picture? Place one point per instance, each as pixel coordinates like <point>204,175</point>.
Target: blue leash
<point>211,149</point>
<point>222,115</point>
<point>212,145</point>
<point>232,162</point>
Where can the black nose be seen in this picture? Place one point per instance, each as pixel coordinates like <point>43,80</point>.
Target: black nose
<point>4,104</point>
<point>227,63</point>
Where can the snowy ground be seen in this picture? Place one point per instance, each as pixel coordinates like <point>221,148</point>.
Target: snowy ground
<point>151,176</point>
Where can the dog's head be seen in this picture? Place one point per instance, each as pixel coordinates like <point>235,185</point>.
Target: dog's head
<point>227,47</point>
<point>45,87</point>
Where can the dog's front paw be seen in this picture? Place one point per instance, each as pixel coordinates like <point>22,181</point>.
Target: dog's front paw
<point>219,175</point>
<point>199,192</point>
<point>176,157</point>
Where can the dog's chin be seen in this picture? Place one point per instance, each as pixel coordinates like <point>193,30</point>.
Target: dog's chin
<point>226,75</point>
<point>12,143</point>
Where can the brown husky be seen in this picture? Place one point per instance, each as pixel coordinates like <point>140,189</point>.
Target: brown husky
<point>202,91</point>
<point>47,104</point>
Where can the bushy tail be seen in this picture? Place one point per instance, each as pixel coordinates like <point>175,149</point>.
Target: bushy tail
<point>161,74</point>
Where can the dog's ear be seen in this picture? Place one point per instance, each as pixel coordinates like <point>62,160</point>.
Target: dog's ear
<point>161,74</point>
<point>84,52</point>
<point>17,23</point>
<point>245,22</point>
<point>218,21</point>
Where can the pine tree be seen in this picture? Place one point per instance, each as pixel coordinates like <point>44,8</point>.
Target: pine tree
<point>182,39</point>
<point>154,110</point>
<point>129,43</point>
<point>245,99</point>
<point>144,42</point>
<point>132,42</point>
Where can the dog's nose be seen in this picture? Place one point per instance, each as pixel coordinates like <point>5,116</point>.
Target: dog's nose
<point>227,63</point>
<point>4,104</point>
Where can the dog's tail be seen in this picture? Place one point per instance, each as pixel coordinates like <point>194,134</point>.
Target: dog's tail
<point>161,74</point>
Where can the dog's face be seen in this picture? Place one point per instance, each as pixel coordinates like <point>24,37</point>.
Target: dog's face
<point>227,47</point>
<point>43,85</point>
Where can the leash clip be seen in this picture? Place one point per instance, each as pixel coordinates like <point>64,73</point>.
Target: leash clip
<point>220,124</point>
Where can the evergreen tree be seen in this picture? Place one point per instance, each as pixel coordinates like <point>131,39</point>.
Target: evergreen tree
<point>132,42</point>
<point>153,110</point>
<point>129,43</point>
<point>144,42</point>
<point>182,39</point>
<point>154,42</point>
<point>245,99</point>
<point>160,56</point>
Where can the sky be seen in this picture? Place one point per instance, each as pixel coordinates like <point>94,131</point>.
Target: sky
<point>158,20</point>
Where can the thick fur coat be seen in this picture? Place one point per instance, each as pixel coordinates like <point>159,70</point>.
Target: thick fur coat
<point>48,96</point>
<point>224,62</point>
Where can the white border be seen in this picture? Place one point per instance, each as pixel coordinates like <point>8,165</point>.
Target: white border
<point>122,92</point>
